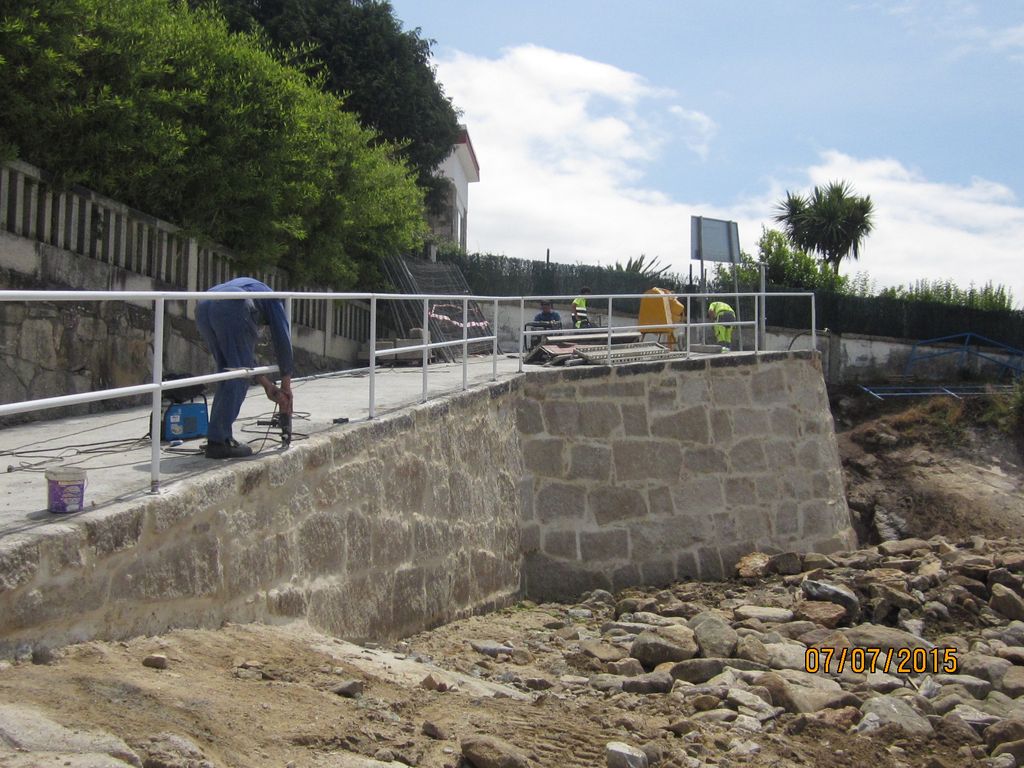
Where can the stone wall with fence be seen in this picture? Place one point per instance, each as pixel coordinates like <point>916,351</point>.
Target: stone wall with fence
<point>656,472</point>
<point>374,531</point>
<point>544,485</point>
<point>55,238</point>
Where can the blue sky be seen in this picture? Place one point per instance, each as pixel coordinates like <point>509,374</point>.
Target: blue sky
<point>601,127</point>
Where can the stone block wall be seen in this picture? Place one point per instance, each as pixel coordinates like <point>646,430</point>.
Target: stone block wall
<point>545,485</point>
<point>376,531</point>
<point>657,472</point>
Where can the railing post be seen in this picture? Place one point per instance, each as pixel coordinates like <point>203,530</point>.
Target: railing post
<point>757,316</point>
<point>609,321</point>
<point>763,317</point>
<point>465,343</point>
<point>426,352</point>
<point>524,340</point>
<point>494,354</point>
<point>373,352</point>
<point>5,191</point>
<point>814,326</point>
<point>17,226</point>
<point>158,377</point>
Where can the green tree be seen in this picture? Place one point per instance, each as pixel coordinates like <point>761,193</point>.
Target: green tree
<point>786,267</point>
<point>164,109</point>
<point>383,72</point>
<point>832,221</point>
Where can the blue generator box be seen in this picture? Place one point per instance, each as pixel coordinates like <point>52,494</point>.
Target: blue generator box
<point>185,421</point>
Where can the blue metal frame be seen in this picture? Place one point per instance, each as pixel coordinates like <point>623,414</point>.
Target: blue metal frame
<point>1015,367</point>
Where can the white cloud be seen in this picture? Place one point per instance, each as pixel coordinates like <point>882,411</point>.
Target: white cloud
<point>564,142</point>
<point>969,232</point>
<point>698,129</point>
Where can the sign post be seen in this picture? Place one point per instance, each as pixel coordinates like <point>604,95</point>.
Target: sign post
<point>716,240</point>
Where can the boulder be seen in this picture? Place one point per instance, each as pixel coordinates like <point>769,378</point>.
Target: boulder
<point>620,755</point>
<point>753,566</point>
<point>785,563</point>
<point>603,651</point>
<point>628,667</point>
<point>878,636</point>
<point>764,613</point>
<point>902,547</point>
<point>668,644</point>
<point>714,636</point>
<point>990,668</point>
<point>1003,731</point>
<point>1006,602</point>
<point>826,614</point>
<point>954,728</point>
<point>1015,748</point>
<point>895,711</point>
<point>798,699</point>
<point>492,752</point>
<point>652,682</point>
<point>832,593</point>
<point>752,649</point>
<point>1012,683</point>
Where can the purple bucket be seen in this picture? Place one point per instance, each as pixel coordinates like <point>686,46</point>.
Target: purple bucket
<point>65,490</point>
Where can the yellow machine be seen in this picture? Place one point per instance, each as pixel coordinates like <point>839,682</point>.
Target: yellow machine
<point>656,310</point>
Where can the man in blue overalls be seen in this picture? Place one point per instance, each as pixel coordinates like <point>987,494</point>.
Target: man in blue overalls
<point>230,328</point>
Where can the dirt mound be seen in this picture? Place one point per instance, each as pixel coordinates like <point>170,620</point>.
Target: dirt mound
<point>930,467</point>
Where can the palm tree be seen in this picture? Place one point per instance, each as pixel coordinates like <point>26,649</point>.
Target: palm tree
<point>640,266</point>
<point>832,221</point>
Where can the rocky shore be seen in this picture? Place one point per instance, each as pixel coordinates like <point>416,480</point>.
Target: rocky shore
<point>910,653</point>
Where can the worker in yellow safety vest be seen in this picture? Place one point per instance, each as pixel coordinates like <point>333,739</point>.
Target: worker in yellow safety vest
<point>580,319</point>
<point>720,312</point>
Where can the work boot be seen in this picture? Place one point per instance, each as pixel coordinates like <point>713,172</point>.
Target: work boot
<point>229,449</point>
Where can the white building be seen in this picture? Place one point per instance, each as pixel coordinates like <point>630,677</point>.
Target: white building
<point>461,169</point>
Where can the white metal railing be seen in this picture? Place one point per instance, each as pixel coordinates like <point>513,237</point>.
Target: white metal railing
<point>157,386</point>
<point>679,330</point>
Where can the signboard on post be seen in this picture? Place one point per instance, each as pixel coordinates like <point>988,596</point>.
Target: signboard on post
<point>714,240</point>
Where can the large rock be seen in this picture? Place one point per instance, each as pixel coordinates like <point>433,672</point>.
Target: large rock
<point>701,670</point>
<point>798,699</point>
<point>878,636</point>
<point>652,682</point>
<point>668,644</point>
<point>714,636</point>
<point>956,730</point>
<point>990,668</point>
<point>752,649</point>
<point>1003,731</point>
<point>1015,748</point>
<point>602,651</point>
<point>1012,683</point>
<point>786,563</point>
<point>976,686</point>
<point>832,593</point>
<point>902,547</point>
<point>753,566</point>
<point>826,614</point>
<point>28,730</point>
<point>894,710</point>
<point>786,656</point>
<point>492,752</point>
<point>1006,602</point>
<point>764,613</point>
<point>620,755</point>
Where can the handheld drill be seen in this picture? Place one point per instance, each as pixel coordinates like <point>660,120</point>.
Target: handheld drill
<point>282,421</point>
